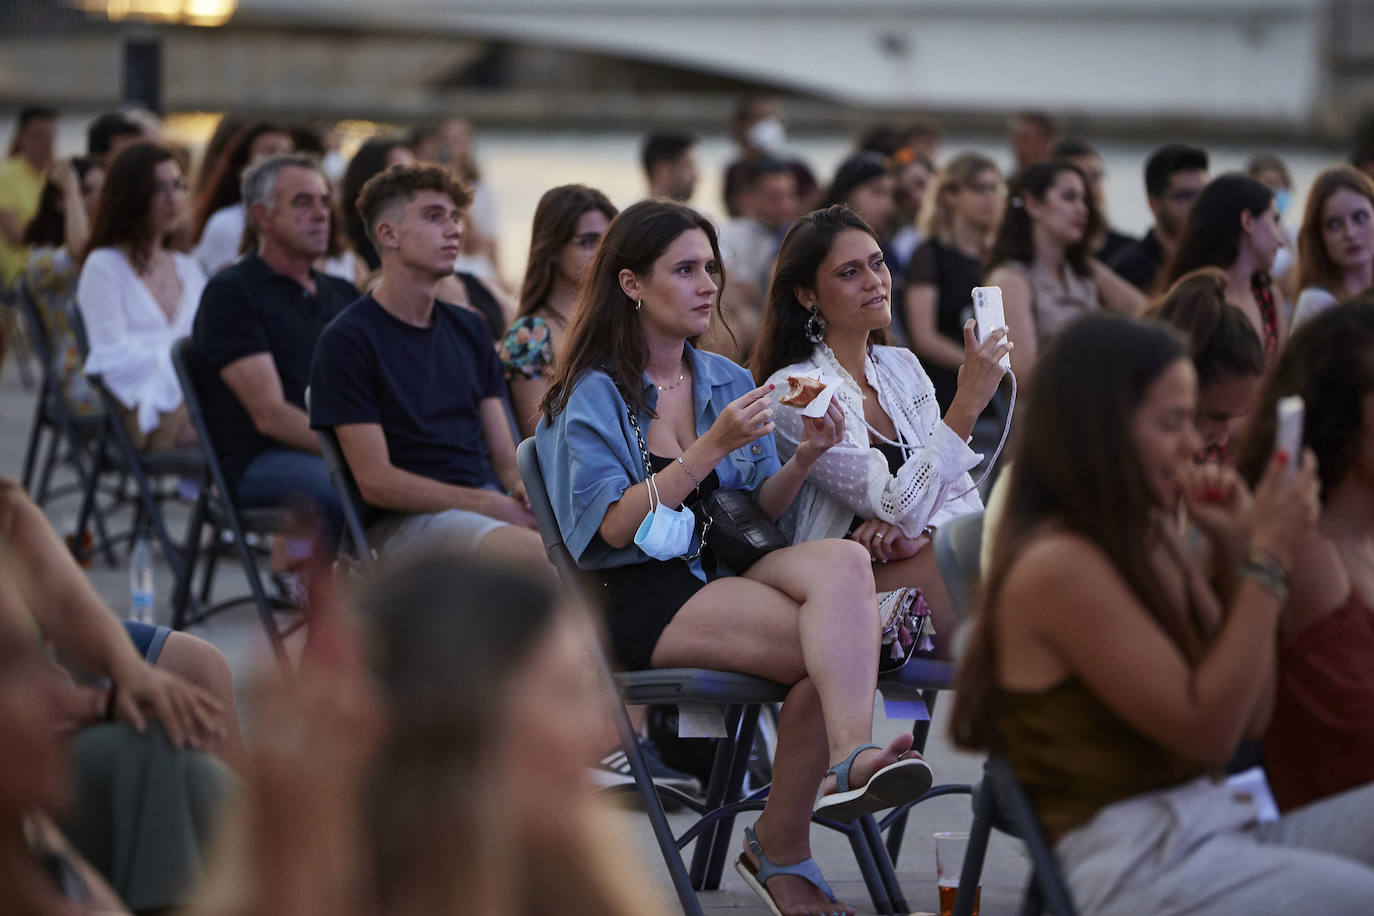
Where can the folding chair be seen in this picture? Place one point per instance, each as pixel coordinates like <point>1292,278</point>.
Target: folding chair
<point>353,546</point>
<point>740,697</point>
<point>114,451</point>
<point>1000,801</point>
<point>67,435</point>
<point>215,507</point>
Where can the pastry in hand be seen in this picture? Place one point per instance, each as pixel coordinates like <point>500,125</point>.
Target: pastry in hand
<point>801,390</point>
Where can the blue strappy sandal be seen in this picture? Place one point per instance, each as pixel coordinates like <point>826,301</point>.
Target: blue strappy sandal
<point>895,784</point>
<point>757,878</point>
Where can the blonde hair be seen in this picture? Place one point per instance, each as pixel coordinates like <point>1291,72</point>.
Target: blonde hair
<point>960,172</point>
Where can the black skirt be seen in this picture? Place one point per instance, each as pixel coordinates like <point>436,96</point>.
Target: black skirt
<point>640,600</point>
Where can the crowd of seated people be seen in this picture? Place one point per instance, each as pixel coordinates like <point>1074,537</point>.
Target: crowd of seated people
<point>1163,583</point>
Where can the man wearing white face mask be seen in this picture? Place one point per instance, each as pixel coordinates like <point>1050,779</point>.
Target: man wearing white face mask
<point>759,132</point>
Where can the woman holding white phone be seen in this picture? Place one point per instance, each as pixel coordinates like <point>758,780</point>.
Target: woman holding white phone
<point>1109,672</point>
<point>900,469</point>
<point>1321,739</point>
<point>629,391</point>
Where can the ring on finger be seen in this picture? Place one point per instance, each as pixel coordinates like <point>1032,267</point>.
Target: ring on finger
<point>878,536</point>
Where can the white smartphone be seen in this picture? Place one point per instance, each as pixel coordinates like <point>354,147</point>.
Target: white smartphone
<point>987,311</point>
<point>1288,431</point>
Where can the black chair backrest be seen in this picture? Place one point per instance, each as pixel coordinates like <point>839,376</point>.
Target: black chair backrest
<point>39,332</point>
<point>350,497</point>
<point>78,326</point>
<point>188,365</point>
<point>527,460</point>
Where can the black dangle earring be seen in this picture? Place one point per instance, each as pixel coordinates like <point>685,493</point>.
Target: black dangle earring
<point>815,325</point>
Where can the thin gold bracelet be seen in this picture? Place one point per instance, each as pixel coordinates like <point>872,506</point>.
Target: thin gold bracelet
<point>696,482</point>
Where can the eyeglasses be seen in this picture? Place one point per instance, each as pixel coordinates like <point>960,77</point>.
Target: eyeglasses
<point>169,188</point>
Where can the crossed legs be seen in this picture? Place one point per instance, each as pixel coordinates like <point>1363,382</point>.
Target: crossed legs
<point>805,615</point>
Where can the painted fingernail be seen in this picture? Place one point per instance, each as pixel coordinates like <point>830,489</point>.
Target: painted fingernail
<point>771,386</point>
<point>1282,457</point>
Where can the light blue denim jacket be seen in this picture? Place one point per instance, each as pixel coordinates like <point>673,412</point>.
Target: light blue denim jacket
<point>589,454</point>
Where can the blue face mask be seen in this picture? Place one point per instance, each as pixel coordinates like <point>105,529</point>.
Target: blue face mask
<point>665,534</point>
<point>1282,198</point>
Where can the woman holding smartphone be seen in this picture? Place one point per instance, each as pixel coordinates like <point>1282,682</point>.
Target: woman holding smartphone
<point>1114,678</point>
<point>901,467</point>
<point>1321,740</point>
<point>804,615</point>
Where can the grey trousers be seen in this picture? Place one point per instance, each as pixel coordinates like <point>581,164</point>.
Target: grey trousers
<point>1196,848</point>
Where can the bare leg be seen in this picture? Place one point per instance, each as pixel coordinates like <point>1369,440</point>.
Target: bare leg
<point>806,616</point>
<point>519,549</point>
<point>199,662</point>
<point>920,571</point>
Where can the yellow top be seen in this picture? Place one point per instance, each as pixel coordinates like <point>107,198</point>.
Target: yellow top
<point>20,188</point>
<point>1075,756</point>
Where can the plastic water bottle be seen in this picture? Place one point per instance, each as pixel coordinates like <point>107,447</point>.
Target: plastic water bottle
<point>141,589</point>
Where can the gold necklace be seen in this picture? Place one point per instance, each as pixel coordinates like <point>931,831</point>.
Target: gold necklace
<point>680,376</point>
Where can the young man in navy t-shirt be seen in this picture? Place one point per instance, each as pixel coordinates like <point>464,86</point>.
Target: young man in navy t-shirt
<point>413,387</point>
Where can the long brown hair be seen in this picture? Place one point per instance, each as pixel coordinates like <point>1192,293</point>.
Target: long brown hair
<point>1315,267</point>
<point>1073,458</point>
<point>222,187</point>
<point>123,218</point>
<point>445,667</point>
<point>782,337</point>
<point>1015,239</point>
<point>1211,236</point>
<point>49,223</point>
<point>605,331</point>
<point>1329,360</point>
<point>555,223</point>
<point>1221,341</point>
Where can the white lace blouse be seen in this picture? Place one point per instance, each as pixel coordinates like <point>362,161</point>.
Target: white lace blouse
<point>852,478</point>
<point>130,336</point>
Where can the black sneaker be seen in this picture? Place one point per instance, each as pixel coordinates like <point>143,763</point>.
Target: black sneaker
<point>614,770</point>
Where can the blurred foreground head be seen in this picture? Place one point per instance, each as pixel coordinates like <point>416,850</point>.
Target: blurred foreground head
<point>495,708</point>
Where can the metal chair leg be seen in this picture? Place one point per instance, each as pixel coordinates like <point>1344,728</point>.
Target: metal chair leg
<point>739,768</point>
<point>879,891</point>
<point>181,591</point>
<point>984,815</point>
<point>717,794</point>
<point>31,452</point>
<point>653,807</point>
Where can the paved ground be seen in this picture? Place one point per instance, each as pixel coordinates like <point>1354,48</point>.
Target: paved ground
<point>237,635</point>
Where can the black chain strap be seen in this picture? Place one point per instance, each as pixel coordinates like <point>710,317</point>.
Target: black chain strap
<point>649,467</point>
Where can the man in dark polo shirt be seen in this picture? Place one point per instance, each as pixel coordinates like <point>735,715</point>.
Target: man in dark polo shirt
<point>255,333</point>
<point>1174,176</point>
<point>414,389</point>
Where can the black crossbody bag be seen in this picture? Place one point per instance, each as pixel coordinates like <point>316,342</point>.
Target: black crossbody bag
<point>738,532</point>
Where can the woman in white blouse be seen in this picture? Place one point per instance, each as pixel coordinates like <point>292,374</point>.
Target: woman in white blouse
<point>901,470</point>
<point>137,296</point>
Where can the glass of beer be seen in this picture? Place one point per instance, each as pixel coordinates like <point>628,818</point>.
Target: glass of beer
<point>949,862</point>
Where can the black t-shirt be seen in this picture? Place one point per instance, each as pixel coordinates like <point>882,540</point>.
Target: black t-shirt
<point>423,386</point>
<point>954,275</point>
<point>249,308</point>
<point>1113,245</point>
<point>1138,264</point>
<point>485,304</point>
